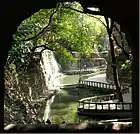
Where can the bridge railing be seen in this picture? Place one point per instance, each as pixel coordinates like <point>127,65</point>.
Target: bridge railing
<point>85,83</point>
<point>99,98</point>
<point>96,84</point>
<point>100,103</point>
<point>105,106</point>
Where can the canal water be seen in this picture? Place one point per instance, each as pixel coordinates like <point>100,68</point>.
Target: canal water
<point>64,106</point>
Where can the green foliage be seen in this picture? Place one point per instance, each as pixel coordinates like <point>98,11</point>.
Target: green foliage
<point>68,31</point>
<point>126,65</point>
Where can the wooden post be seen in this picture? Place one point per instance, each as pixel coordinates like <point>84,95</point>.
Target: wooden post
<point>83,104</point>
<point>89,105</point>
<point>130,106</point>
<point>108,106</point>
<point>116,106</point>
<point>102,105</point>
<point>106,86</point>
<point>109,86</point>
<point>100,85</point>
<point>96,106</point>
<point>122,106</point>
<point>95,84</point>
<point>108,97</point>
<point>103,85</point>
<point>79,105</point>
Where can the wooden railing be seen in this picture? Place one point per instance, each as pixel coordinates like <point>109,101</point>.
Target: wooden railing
<point>99,98</point>
<point>96,84</point>
<point>100,103</point>
<point>85,83</point>
<point>105,106</point>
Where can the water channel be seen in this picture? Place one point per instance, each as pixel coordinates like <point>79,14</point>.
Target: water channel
<point>65,104</point>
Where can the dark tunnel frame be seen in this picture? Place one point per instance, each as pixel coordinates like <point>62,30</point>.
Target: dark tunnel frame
<point>32,7</point>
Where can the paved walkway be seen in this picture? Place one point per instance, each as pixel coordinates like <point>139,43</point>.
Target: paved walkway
<point>102,78</point>
<point>98,78</point>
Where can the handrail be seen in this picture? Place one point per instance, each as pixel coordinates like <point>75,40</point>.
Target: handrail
<point>86,81</point>
<point>95,97</point>
<point>104,103</point>
<point>89,105</point>
<point>89,82</point>
<point>97,101</point>
<point>125,88</point>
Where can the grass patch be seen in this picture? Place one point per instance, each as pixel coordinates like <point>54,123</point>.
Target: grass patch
<point>67,114</point>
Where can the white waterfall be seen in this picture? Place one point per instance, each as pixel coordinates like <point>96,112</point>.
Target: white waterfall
<point>48,109</point>
<point>50,69</point>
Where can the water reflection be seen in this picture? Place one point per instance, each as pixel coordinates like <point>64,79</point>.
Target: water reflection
<point>64,107</point>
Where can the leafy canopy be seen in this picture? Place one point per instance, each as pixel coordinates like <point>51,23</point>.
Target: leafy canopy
<point>66,30</point>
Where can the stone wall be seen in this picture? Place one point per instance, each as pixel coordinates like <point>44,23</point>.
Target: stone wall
<point>32,82</point>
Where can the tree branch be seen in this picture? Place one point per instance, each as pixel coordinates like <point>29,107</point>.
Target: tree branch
<point>107,24</point>
<point>44,29</point>
<point>99,20</point>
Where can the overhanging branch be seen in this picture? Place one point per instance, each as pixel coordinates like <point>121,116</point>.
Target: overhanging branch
<point>44,29</point>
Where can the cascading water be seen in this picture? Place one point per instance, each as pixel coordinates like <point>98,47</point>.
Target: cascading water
<point>48,109</point>
<point>50,70</point>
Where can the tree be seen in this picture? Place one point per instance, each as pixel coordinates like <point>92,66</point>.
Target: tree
<point>57,29</point>
<point>110,24</point>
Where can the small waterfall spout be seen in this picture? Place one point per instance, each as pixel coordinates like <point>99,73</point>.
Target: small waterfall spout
<point>48,109</point>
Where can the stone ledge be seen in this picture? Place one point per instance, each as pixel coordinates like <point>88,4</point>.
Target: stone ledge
<point>115,127</point>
